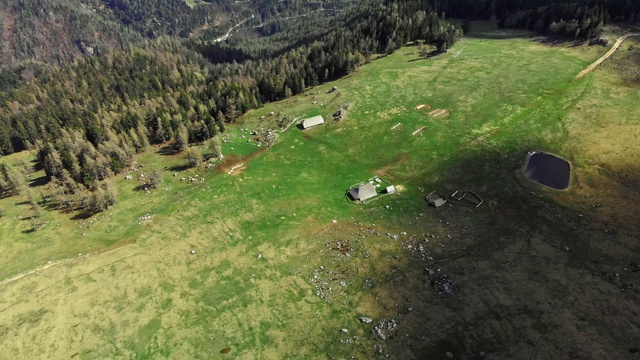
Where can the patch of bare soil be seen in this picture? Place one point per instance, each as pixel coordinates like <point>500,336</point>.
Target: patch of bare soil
<point>236,164</point>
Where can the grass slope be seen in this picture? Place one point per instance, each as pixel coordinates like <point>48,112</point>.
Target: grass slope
<point>274,276</point>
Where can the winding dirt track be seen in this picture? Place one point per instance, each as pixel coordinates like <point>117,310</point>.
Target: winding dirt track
<point>226,36</point>
<point>36,270</point>
<point>605,56</point>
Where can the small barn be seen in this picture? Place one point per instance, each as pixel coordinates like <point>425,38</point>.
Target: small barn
<point>435,199</point>
<point>362,192</point>
<point>312,122</point>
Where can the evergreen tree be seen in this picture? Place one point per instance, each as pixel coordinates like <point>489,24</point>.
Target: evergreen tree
<point>182,138</point>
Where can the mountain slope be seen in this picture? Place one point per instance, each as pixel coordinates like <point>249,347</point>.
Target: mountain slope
<point>58,31</point>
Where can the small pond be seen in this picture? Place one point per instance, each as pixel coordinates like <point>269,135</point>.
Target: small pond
<point>548,170</point>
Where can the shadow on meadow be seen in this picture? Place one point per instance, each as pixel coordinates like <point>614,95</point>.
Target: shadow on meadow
<point>517,278</point>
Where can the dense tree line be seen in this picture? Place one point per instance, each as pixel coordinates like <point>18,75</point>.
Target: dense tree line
<point>111,107</point>
<point>566,18</point>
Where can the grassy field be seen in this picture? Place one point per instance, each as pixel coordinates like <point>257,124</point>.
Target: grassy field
<point>284,262</point>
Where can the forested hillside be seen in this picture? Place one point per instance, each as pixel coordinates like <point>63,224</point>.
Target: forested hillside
<point>154,18</point>
<point>58,31</point>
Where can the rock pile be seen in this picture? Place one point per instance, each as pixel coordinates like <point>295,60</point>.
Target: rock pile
<point>439,281</point>
<point>385,328</point>
<point>267,137</point>
<point>341,113</point>
<point>144,219</point>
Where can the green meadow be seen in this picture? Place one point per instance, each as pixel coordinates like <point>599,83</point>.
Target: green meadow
<point>271,260</point>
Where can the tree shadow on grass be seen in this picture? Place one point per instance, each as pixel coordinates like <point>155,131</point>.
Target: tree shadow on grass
<point>83,215</point>
<point>143,187</point>
<point>500,35</point>
<point>37,165</point>
<point>429,55</point>
<point>39,181</point>
<point>5,194</point>
<point>178,168</point>
<point>167,150</point>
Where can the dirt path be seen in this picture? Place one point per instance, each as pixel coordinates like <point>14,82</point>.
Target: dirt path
<point>55,263</point>
<point>37,270</point>
<point>291,123</point>
<point>605,56</point>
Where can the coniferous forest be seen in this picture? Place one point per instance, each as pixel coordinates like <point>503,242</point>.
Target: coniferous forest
<point>568,19</point>
<point>90,83</point>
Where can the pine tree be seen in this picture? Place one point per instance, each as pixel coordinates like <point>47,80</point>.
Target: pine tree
<point>214,147</point>
<point>182,138</point>
<point>193,158</point>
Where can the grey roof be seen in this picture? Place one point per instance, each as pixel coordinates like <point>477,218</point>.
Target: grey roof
<point>439,202</point>
<point>435,199</point>
<point>363,192</point>
<point>312,121</point>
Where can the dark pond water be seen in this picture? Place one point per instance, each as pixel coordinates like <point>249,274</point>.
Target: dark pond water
<point>548,170</point>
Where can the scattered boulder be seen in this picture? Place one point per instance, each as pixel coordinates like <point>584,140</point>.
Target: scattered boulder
<point>341,113</point>
<point>366,320</point>
<point>439,281</point>
<point>385,328</point>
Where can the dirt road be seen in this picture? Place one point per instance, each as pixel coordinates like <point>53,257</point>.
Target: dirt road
<point>226,36</point>
<point>605,56</point>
